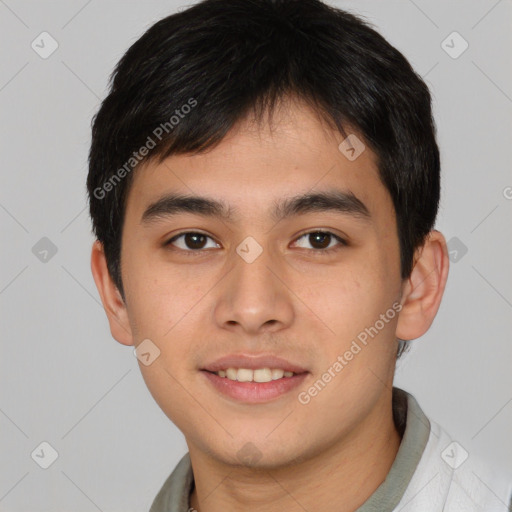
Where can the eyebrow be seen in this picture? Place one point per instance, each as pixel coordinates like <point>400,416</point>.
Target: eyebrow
<point>332,200</point>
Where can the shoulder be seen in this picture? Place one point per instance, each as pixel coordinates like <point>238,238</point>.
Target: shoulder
<point>450,479</point>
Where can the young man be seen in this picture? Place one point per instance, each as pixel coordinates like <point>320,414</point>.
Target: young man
<point>263,184</point>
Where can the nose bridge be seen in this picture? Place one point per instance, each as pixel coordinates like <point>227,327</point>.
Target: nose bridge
<point>252,273</point>
<point>253,296</point>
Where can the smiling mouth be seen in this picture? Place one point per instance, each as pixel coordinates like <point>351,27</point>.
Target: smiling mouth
<point>256,375</point>
<point>256,386</point>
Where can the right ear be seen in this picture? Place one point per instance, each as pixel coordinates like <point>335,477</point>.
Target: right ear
<point>113,303</point>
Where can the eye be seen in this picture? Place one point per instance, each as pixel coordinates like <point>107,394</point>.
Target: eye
<point>323,241</point>
<point>192,241</point>
<point>319,241</point>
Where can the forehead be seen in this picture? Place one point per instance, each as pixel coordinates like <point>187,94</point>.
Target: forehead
<point>256,165</point>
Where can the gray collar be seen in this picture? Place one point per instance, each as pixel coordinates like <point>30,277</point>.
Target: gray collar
<point>414,427</point>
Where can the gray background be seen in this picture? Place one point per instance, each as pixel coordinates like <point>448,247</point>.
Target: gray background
<point>65,381</point>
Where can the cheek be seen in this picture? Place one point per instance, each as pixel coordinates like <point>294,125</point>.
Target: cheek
<point>158,296</point>
<point>166,307</point>
<point>350,301</point>
<point>164,312</point>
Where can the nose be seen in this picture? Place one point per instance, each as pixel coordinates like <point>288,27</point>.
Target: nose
<point>254,297</point>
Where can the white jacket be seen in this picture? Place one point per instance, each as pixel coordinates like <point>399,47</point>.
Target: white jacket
<point>447,479</point>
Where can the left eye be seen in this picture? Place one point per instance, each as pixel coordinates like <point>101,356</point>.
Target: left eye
<point>322,240</point>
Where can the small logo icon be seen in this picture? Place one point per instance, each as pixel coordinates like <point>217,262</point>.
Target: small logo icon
<point>44,455</point>
<point>352,147</point>
<point>44,250</point>
<point>44,45</point>
<point>249,454</point>
<point>454,455</point>
<point>456,249</point>
<point>146,352</point>
<point>454,45</point>
<point>249,249</point>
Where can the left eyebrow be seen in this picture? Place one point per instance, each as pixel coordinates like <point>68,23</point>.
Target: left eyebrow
<point>332,200</point>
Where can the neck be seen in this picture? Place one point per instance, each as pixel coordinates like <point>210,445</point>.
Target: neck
<point>339,479</point>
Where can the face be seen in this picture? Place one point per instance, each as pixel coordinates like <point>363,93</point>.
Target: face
<point>307,281</point>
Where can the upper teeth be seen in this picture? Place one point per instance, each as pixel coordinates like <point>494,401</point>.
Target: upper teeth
<point>259,375</point>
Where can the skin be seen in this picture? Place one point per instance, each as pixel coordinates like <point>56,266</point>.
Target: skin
<point>292,301</point>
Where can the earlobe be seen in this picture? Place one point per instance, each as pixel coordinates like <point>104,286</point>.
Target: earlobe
<point>423,290</point>
<point>111,299</point>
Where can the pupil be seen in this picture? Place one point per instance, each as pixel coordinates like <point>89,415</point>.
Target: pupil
<point>321,240</point>
<point>195,240</point>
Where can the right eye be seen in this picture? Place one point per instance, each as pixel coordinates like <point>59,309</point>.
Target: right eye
<point>191,241</point>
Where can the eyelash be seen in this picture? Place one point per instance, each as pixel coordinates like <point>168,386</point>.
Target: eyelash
<point>197,252</point>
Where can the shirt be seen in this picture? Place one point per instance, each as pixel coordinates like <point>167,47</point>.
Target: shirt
<point>431,473</point>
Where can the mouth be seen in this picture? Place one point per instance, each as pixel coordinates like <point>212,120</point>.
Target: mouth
<point>256,375</point>
<point>254,386</point>
<point>254,379</point>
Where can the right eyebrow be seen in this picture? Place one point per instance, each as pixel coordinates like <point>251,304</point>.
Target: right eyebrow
<point>173,204</point>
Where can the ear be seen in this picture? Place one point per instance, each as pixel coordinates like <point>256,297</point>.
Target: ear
<point>113,303</point>
<point>423,290</point>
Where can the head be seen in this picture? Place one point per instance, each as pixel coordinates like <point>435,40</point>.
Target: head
<point>246,113</point>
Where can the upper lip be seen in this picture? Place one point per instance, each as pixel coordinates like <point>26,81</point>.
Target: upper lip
<point>253,362</point>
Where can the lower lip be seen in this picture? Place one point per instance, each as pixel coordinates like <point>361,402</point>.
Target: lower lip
<point>254,392</point>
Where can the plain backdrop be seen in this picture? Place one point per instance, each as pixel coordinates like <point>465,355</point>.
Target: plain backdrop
<point>63,379</point>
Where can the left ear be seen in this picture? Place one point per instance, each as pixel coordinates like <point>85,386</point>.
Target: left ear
<point>423,290</point>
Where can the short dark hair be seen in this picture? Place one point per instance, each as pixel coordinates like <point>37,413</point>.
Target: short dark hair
<point>184,84</point>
